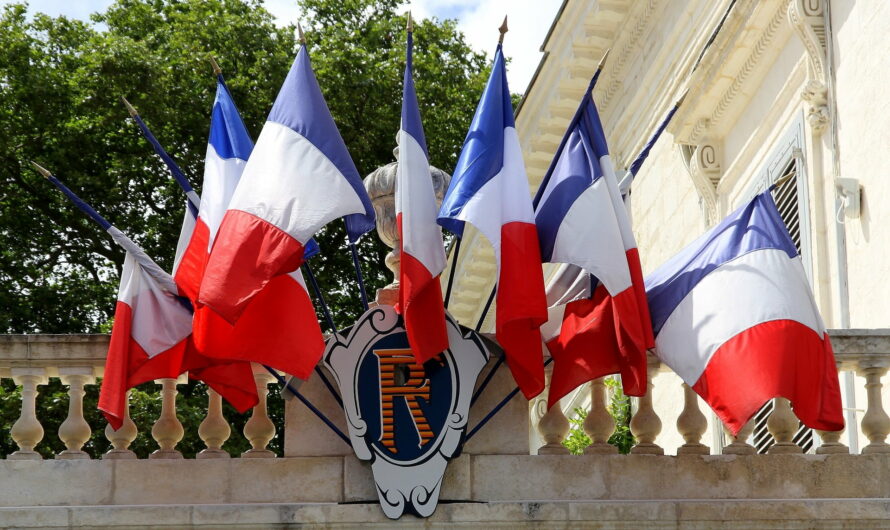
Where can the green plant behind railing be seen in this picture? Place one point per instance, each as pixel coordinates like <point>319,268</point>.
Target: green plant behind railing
<point>619,409</point>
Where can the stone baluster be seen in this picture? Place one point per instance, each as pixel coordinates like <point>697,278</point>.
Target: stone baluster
<point>875,422</point>
<point>739,444</point>
<point>831,440</point>
<point>122,438</point>
<point>214,430</point>
<point>782,424</point>
<point>259,429</point>
<point>167,431</point>
<point>692,424</point>
<point>599,424</point>
<point>26,431</point>
<point>645,424</point>
<point>75,431</point>
<point>553,425</point>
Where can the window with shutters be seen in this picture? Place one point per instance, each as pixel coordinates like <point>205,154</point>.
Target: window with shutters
<point>787,165</point>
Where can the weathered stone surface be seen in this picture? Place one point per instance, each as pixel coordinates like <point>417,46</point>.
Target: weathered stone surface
<point>507,432</point>
<point>304,433</point>
<point>55,482</point>
<point>318,479</point>
<point>758,513</point>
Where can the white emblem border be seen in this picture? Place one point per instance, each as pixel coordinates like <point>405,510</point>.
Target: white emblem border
<point>414,485</point>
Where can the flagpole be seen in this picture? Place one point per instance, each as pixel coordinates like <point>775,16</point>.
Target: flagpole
<point>358,274</point>
<point>194,200</point>
<point>559,149</point>
<point>452,270</point>
<point>644,154</point>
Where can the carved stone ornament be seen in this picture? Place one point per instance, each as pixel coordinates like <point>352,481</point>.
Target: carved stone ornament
<point>381,187</point>
<point>704,165</point>
<point>407,419</point>
<point>807,17</point>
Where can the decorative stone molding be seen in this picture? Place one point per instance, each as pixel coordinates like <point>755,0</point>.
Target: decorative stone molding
<point>705,169</point>
<point>807,17</point>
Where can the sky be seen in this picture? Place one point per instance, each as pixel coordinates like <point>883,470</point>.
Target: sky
<point>528,21</point>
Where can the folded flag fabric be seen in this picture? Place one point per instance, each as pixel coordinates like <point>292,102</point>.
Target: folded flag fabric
<point>735,318</point>
<point>299,177</point>
<point>422,251</point>
<point>582,221</point>
<point>279,327</point>
<point>489,190</point>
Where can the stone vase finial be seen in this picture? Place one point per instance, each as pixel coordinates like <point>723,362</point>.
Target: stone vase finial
<point>381,187</point>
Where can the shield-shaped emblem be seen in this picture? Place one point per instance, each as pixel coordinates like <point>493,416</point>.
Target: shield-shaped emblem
<point>407,419</point>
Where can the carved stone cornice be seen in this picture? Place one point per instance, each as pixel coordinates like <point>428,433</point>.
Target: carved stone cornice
<point>807,17</point>
<point>705,169</point>
<point>752,25</point>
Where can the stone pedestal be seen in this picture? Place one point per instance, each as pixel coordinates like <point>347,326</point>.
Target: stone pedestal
<point>507,432</point>
<point>304,433</point>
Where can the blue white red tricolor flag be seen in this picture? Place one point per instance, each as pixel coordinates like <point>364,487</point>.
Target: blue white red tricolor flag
<point>422,251</point>
<point>279,327</point>
<point>299,177</point>
<point>735,318</point>
<point>603,327</point>
<point>489,190</point>
<point>150,335</point>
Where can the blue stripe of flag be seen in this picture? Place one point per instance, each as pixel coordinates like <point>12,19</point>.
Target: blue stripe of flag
<point>482,156</point>
<point>755,226</point>
<point>301,107</point>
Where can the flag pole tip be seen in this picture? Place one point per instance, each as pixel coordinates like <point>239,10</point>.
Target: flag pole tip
<point>602,62</point>
<point>216,69</point>
<point>130,108</point>
<point>300,34</point>
<point>682,98</point>
<point>503,29</point>
<point>40,169</point>
<point>410,23</point>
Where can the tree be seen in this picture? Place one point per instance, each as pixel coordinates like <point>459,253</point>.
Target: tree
<point>60,81</point>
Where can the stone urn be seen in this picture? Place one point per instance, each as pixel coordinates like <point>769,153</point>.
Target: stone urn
<point>381,187</point>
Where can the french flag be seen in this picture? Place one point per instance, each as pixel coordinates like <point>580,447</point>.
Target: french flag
<point>150,336</point>
<point>735,318</point>
<point>298,178</point>
<point>489,190</point>
<point>602,327</point>
<point>422,252</point>
<point>279,327</point>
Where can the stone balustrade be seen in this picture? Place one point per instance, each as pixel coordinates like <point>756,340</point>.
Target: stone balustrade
<point>863,352</point>
<point>77,361</point>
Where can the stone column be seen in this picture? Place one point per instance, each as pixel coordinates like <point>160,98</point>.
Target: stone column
<point>691,425</point>
<point>259,429</point>
<point>553,425</point>
<point>645,424</point>
<point>75,431</point>
<point>214,430</point>
<point>122,438</point>
<point>875,422</point>
<point>167,431</point>
<point>26,431</point>
<point>782,425</point>
<point>739,445</point>
<point>599,424</point>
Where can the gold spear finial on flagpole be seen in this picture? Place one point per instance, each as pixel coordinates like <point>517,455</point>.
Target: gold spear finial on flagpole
<point>300,34</point>
<point>602,62</point>
<point>216,69</point>
<point>682,98</point>
<point>410,23</point>
<point>40,169</point>
<point>503,29</point>
<point>130,108</point>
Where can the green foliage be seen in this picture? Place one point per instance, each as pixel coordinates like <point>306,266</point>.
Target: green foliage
<point>619,409</point>
<point>577,439</point>
<point>60,80</point>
